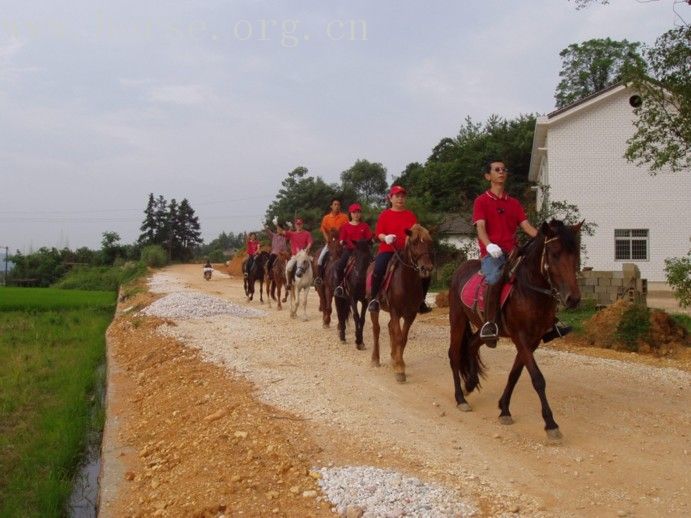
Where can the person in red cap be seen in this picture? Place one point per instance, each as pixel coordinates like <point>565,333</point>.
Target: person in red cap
<point>350,233</point>
<point>390,231</point>
<point>300,239</point>
<point>333,220</point>
<point>252,251</point>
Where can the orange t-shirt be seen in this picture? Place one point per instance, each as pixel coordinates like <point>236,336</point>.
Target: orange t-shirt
<point>336,222</point>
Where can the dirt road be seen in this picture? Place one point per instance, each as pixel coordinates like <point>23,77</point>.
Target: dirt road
<point>626,441</point>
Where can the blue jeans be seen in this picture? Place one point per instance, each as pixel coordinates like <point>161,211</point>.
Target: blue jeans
<point>492,268</point>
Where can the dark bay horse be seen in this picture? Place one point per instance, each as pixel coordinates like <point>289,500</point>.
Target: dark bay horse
<point>403,295</point>
<point>255,274</point>
<point>354,284</point>
<point>276,280</point>
<point>326,290</point>
<point>545,274</point>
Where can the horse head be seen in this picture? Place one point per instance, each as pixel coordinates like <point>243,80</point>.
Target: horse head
<point>302,263</point>
<point>559,262</point>
<point>418,248</point>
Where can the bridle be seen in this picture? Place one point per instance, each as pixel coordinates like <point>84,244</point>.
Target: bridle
<point>544,272</point>
<point>413,262</point>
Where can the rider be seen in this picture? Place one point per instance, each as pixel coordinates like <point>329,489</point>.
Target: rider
<point>208,264</point>
<point>390,231</point>
<point>252,251</point>
<point>497,216</point>
<point>334,219</point>
<point>349,234</point>
<point>300,239</point>
<point>278,244</point>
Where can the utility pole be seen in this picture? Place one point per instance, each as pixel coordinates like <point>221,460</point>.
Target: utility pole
<point>4,279</point>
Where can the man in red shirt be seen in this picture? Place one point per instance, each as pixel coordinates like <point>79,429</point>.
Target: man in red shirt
<point>497,216</point>
<point>252,251</point>
<point>300,239</point>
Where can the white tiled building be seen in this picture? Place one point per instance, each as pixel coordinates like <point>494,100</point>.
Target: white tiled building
<point>578,152</point>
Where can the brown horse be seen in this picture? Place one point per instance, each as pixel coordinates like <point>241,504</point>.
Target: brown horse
<point>354,283</point>
<point>403,295</point>
<point>328,285</point>
<point>255,274</point>
<point>546,273</point>
<point>276,280</point>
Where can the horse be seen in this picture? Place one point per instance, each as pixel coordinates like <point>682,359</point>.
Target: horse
<point>276,279</point>
<point>302,282</point>
<point>328,285</point>
<point>256,274</point>
<point>544,275</point>
<point>402,294</point>
<point>354,284</point>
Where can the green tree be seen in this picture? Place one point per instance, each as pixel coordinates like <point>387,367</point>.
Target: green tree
<point>186,231</point>
<point>111,248</point>
<point>149,227</point>
<point>161,218</point>
<point>590,66</point>
<point>663,118</point>
<point>367,180</point>
<point>678,272</point>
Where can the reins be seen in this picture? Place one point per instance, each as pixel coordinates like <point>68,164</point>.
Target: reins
<point>413,264</point>
<point>544,272</point>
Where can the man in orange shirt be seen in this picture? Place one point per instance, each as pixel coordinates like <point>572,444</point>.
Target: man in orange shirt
<point>332,220</point>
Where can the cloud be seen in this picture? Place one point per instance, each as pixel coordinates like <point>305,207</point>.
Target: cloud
<point>181,94</point>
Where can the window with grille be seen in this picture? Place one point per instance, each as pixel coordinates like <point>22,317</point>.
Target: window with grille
<point>631,244</point>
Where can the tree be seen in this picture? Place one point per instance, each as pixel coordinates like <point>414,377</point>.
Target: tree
<point>161,214</point>
<point>149,227</point>
<point>111,247</point>
<point>367,180</point>
<point>186,231</point>
<point>663,117</point>
<point>590,66</point>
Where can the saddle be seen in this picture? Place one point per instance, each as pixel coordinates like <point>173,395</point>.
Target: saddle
<point>386,281</point>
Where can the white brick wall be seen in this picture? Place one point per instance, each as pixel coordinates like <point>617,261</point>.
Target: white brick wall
<point>586,167</point>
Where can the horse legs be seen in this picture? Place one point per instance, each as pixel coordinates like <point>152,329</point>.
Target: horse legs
<point>396,341</point>
<point>304,304</point>
<point>374,317</point>
<point>261,290</point>
<point>458,335</point>
<point>359,319</point>
<point>293,304</point>
<point>342,313</point>
<point>505,400</point>
<point>539,384</point>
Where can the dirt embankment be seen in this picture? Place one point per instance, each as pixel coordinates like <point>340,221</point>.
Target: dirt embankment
<point>224,415</point>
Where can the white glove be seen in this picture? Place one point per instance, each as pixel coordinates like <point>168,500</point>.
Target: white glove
<point>275,220</point>
<point>389,238</point>
<point>289,224</point>
<point>494,250</point>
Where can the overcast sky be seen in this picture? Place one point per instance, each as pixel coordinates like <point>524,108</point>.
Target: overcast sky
<point>216,101</point>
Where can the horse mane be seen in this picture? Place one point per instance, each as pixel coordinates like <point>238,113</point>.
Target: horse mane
<point>419,233</point>
<point>301,255</point>
<point>566,235</point>
<point>533,246</point>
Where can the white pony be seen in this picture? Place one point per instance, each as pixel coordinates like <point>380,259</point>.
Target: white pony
<point>302,282</point>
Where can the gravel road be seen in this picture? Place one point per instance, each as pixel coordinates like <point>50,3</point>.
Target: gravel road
<point>626,441</point>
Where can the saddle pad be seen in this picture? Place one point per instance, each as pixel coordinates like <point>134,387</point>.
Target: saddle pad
<point>385,283</point>
<point>476,288</point>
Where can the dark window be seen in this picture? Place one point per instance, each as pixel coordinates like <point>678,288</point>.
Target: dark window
<point>631,244</point>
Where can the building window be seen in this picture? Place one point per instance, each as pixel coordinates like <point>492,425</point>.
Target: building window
<point>631,244</point>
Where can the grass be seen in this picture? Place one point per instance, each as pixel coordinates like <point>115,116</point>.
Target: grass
<point>577,317</point>
<point>52,345</point>
<point>683,320</point>
<point>100,277</point>
<point>44,299</point>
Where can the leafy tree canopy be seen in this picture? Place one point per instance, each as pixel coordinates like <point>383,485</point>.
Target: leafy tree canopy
<point>590,66</point>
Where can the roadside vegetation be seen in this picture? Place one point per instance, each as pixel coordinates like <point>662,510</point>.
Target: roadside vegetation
<point>52,345</point>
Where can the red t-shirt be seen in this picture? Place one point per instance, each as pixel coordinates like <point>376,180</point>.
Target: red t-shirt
<point>502,217</point>
<point>252,247</point>
<point>394,222</point>
<point>350,234</point>
<point>299,240</point>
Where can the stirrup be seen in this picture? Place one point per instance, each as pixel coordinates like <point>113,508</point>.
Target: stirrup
<point>338,292</point>
<point>489,333</point>
<point>373,306</point>
<point>559,330</point>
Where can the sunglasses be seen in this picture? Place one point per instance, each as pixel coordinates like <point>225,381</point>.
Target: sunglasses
<point>500,170</point>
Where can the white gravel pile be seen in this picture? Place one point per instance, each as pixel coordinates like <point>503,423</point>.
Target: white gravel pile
<point>162,282</point>
<point>192,304</point>
<point>376,492</point>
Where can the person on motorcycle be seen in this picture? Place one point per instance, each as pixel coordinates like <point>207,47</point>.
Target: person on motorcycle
<point>208,269</point>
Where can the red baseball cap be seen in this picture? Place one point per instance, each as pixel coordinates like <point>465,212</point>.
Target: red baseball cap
<point>397,189</point>
<point>355,207</point>
<point>298,221</point>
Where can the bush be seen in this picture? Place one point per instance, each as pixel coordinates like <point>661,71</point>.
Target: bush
<point>634,326</point>
<point>444,275</point>
<point>154,256</point>
<point>100,278</point>
<point>678,272</point>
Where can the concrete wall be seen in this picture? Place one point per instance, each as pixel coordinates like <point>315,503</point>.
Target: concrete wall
<point>606,287</point>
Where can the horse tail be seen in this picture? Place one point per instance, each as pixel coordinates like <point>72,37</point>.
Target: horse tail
<point>472,367</point>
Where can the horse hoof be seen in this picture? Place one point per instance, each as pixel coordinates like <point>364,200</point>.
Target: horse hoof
<point>325,326</point>
<point>360,347</point>
<point>400,377</point>
<point>554,436</point>
<point>304,319</point>
<point>505,419</point>
<point>464,407</point>
<point>375,363</point>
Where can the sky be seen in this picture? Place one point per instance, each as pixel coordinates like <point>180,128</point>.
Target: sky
<point>216,101</point>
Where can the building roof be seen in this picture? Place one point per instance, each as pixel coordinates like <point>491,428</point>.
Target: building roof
<point>457,224</point>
